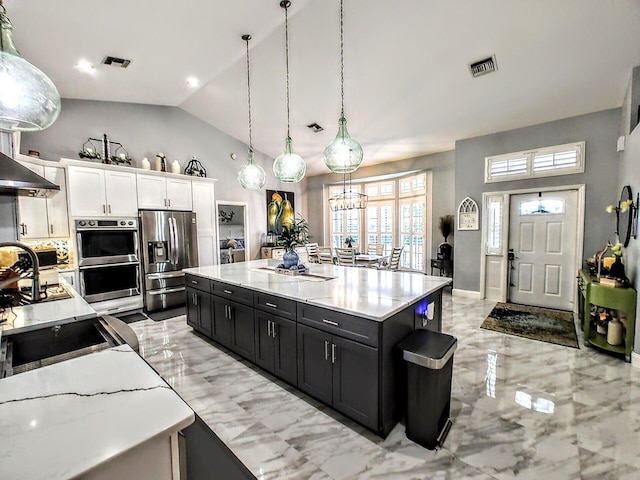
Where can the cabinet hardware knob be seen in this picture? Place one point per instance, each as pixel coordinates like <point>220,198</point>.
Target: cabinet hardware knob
<point>272,305</point>
<point>335,324</point>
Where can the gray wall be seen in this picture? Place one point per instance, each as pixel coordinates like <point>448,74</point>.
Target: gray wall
<point>145,130</point>
<point>630,175</point>
<point>441,164</point>
<point>8,218</point>
<point>600,130</point>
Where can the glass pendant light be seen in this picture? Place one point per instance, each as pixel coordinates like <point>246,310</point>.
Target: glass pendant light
<point>344,154</point>
<point>289,167</point>
<point>251,176</point>
<point>29,101</point>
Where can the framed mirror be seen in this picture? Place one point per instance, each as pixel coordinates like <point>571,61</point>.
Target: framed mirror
<point>626,217</point>
<point>233,231</point>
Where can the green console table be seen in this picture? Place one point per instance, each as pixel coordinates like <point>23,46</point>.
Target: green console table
<point>623,300</point>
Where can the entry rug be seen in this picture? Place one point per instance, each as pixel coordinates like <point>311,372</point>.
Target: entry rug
<point>167,314</point>
<point>543,324</point>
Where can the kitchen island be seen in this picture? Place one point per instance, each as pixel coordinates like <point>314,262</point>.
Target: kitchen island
<point>331,333</point>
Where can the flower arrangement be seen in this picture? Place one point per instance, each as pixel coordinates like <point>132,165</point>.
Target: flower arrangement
<point>616,249</point>
<point>624,206</point>
<point>296,233</point>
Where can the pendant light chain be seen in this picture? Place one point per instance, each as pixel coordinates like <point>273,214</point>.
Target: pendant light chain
<point>246,38</point>
<point>286,49</point>
<point>341,59</point>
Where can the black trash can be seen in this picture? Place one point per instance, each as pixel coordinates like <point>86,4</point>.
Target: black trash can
<point>429,357</point>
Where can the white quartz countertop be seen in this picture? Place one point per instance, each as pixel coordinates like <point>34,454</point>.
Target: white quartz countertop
<point>366,292</point>
<point>53,312</point>
<point>62,420</point>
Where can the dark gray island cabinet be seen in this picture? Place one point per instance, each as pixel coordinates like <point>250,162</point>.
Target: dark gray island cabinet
<point>344,359</point>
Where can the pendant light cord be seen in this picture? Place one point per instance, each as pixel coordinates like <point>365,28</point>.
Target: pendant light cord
<point>341,59</point>
<point>285,5</point>
<point>246,38</point>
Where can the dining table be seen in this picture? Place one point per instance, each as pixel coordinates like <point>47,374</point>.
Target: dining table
<point>370,259</point>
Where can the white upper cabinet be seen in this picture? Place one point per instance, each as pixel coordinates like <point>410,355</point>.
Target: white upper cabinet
<point>44,217</point>
<point>96,192</point>
<point>164,193</point>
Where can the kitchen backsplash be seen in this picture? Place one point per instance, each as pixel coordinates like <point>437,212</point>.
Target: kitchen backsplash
<point>61,246</point>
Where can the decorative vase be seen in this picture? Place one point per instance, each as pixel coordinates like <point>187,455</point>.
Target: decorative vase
<point>601,328</point>
<point>614,332</point>
<point>290,258</point>
<point>617,269</point>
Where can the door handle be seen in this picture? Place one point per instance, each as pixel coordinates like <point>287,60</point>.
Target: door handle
<point>333,353</point>
<point>51,229</point>
<point>104,208</point>
<point>195,299</point>
<point>269,328</point>
<point>273,329</point>
<point>109,208</point>
<point>326,350</point>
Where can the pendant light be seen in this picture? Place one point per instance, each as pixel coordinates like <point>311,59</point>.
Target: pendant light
<point>289,167</point>
<point>344,154</point>
<point>252,176</point>
<point>29,101</point>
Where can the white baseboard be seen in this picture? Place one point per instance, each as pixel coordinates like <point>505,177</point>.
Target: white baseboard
<point>635,359</point>
<point>466,293</point>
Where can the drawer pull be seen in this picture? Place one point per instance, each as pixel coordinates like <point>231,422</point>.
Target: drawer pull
<point>272,305</point>
<point>228,292</point>
<point>195,282</point>
<point>335,324</point>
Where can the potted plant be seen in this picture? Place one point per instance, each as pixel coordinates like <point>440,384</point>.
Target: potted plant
<point>296,233</point>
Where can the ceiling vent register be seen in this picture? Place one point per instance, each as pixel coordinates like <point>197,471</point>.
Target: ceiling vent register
<point>484,66</point>
<point>116,62</point>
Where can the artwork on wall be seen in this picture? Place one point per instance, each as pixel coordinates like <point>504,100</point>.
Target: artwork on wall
<point>468,215</point>
<point>280,210</point>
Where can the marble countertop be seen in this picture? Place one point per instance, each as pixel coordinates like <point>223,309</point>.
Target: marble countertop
<point>53,312</point>
<point>62,420</point>
<point>365,292</point>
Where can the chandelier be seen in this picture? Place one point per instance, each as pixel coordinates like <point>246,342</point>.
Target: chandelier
<point>348,199</point>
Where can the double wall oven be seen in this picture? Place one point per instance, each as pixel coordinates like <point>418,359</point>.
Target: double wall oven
<point>108,259</point>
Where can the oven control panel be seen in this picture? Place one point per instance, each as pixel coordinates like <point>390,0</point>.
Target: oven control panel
<point>111,223</point>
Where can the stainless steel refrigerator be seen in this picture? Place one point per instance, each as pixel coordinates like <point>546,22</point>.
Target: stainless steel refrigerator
<point>168,244</point>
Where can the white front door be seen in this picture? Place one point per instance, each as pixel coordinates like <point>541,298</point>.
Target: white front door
<point>542,236</point>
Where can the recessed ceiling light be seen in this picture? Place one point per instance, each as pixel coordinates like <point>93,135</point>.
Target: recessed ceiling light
<point>193,82</point>
<point>84,66</point>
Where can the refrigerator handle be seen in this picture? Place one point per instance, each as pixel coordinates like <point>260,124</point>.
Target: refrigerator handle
<point>174,241</point>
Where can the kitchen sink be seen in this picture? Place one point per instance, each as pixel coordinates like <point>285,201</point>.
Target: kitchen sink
<point>26,351</point>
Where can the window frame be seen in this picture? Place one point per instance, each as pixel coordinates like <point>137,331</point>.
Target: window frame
<point>529,157</point>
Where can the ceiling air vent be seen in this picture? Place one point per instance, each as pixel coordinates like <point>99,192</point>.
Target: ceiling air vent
<point>116,62</point>
<point>484,66</point>
<point>315,127</point>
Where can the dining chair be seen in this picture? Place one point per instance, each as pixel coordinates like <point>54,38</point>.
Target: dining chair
<point>375,249</point>
<point>312,251</point>
<point>394,259</point>
<point>346,256</point>
<point>325,255</point>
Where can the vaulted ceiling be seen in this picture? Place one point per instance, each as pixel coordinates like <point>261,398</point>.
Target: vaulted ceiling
<point>408,90</point>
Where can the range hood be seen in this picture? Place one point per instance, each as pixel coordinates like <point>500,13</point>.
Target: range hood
<point>20,180</point>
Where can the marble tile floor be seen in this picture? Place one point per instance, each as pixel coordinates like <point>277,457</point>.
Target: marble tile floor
<point>520,408</point>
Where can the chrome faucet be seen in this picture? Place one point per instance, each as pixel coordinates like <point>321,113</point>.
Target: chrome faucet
<point>35,285</point>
